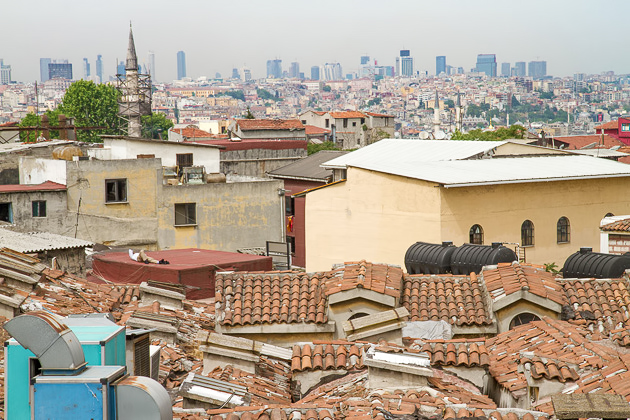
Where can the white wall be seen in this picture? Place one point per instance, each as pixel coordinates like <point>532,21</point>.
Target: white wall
<point>166,151</point>
<point>38,170</point>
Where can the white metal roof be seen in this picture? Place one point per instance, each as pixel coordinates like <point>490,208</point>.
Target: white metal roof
<point>38,241</point>
<point>462,173</point>
<point>603,153</point>
<point>412,151</point>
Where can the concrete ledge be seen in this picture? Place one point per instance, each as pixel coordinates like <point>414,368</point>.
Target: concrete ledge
<point>360,293</point>
<point>222,351</point>
<point>280,328</point>
<point>412,370</point>
<point>506,301</point>
<point>475,329</point>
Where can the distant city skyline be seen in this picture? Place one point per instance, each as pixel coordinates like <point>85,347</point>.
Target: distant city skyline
<point>463,29</point>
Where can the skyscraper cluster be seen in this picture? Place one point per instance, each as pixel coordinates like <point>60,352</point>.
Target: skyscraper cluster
<point>274,69</point>
<point>487,63</point>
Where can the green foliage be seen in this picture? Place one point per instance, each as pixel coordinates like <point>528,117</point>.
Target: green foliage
<point>546,95</point>
<point>32,120</point>
<point>236,94</point>
<point>266,95</point>
<point>313,148</point>
<point>327,88</point>
<point>515,102</point>
<point>502,133</point>
<point>91,105</point>
<point>476,110</point>
<point>375,101</point>
<point>551,267</point>
<point>249,115</point>
<point>449,103</point>
<point>155,124</point>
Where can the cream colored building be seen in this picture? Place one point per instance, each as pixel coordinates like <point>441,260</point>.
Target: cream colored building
<point>396,192</point>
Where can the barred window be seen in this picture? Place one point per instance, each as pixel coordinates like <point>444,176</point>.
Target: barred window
<point>527,233</point>
<point>564,230</point>
<point>476,235</point>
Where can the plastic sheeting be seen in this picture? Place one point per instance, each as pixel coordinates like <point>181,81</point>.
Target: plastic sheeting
<point>428,330</point>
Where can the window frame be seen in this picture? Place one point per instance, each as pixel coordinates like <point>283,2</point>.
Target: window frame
<point>36,208</point>
<point>185,214</point>
<point>117,191</point>
<point>475,238</point>
<point>527,233</point>
<point>563,230</point>
<point>184,160</point>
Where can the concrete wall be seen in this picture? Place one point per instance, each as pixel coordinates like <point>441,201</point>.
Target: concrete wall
<point>343,311</point>
<point>56,220</point>
<point>229,216</point>
<point>133,223</point>
<point>69,260</point>
<point>37,170</point>
<point>207,156</point>
<point>377,216</point>
<point>271,134</point>
<point>504,316</point>
<point>371,216</point>
<point>256,162</point>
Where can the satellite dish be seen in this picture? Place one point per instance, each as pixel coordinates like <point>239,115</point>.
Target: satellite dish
<point>440,135</point>
<point>424,135</point>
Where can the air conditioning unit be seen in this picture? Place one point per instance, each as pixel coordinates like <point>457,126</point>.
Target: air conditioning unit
<point>155,352</point>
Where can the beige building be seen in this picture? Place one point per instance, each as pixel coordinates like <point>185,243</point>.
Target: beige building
<point>396,192</point>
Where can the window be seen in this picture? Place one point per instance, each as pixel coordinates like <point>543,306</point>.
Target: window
<point>476,235</point>
<point>39,208</point>
<point>185,214</point>
<point>6,212</point>
<point>304,122</point>
<point>609,215</point>
<point>362,120</point>
<point>291,242</point>
<point>327,123</point>
<point>527,233</point>
<point>345,123</point>
<point>354,123</point>
<point>564,230</point>
<point>184,160</point>
<point>289,203</point>
<point>524,318</point>
<point>625,127</point>
<point>115,190</point>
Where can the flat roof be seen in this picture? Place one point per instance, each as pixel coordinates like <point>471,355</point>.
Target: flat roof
<point>163,142</point>
<point>39,241</point>
<point>44,186</point>
<point>308,168</point>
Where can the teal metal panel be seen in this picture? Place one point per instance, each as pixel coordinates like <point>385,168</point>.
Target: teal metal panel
<point>16,397</point>
<point>69,401</point>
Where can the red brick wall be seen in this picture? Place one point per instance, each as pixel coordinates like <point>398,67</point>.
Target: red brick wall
<point>618,244</point>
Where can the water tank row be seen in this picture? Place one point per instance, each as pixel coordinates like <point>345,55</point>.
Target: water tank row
<point>426,258</point>
<point>588,264</point>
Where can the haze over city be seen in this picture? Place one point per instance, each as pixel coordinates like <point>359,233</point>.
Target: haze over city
<point>572,36</point>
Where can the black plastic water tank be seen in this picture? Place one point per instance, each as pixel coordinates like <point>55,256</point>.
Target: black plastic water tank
<point>588,264</point>
<point>426,258</point>
<point>468,257</point>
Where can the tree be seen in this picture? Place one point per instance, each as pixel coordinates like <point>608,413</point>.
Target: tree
<point>249,115</point>
<point>327,88</point>
<point>91,105</point>
<point>154,125</point>
<point>236,94</point>
<point>502,133</point>
<point>32,120</point>
<point>266,95</point>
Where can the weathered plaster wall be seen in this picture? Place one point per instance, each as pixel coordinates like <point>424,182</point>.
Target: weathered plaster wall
<point>342,311</point>
<point>504,316</point>
<point>56,220</point>
<point>256,162</point>
<point>229,216</point>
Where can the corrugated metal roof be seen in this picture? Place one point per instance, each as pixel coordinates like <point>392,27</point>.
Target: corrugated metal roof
<point>412,151</point>
<point>460,173</point>
<point>600,152</point>
<point>308,168</point>
<point>39,241</point>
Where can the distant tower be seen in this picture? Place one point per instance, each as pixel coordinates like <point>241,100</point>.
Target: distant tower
<point>134,92</point>
<point>181,65</point>
<point>436,116</point>
<point>151,71</point>
<point>459,122</point>
<point>440,64</point>
<point>86,68</point>
<point>43,68</point>
<point>99,67</point>
<point>405,63</point>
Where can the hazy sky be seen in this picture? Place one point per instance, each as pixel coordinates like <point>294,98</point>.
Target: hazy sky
<point>586,36</point>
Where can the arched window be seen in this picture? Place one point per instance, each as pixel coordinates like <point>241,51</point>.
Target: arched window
<point>476,235</point>
<point>609,214</point>
<point>527,233</point>
<point>524,318</point>
<point>357,315</point>
<point>564,230</point>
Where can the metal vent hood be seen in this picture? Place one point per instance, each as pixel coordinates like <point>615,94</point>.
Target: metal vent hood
<point>52,342</point>
<point>139,398</point>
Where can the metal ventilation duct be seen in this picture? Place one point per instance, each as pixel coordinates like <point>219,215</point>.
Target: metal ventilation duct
<point>54,344</point>
<point>139,398</point>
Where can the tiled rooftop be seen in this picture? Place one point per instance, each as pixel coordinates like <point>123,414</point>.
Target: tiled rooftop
<point>268,124</point>
<point>457,300</point>
<point>618,226</point>
<point>327,356</point>
<point>457,352</point>
<point>380,278</point>
<point>347,114</point>
<point>509,278</point>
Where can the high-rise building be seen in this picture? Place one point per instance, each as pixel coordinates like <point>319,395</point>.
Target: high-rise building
<point>247,74</point>
<point>5,73</point>
<point>181,65</point>
<point>505,69</point>
<point>235,74</point>
<point>43,68</point>
<point>151,67</point>
<point>294,70</point>
<point>315,73</point>
<point>519,68</point>
<point>332,71</point>
<point>274,69</point>
<point>120,68</point>
<point>537,69</point>
<point>365,59</point>
<point>404,64</point>
<point>487,63</point>
<point>99,68</point>
<point>440,64</point>
<point>86,68</point>
<point>60,69</point>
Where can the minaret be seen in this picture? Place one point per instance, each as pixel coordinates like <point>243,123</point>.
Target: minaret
<point>459,123</point>
<point>436,116</point>
<point>135,92</point>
